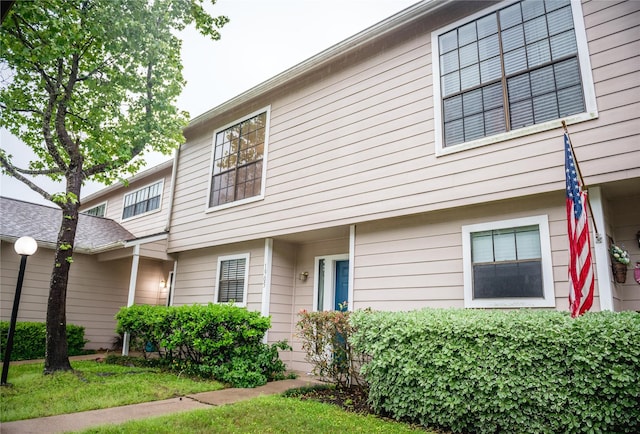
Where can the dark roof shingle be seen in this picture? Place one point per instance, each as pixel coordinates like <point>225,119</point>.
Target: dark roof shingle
<point>19,218</point>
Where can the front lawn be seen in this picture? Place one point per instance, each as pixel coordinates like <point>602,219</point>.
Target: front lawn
<point>90,386</point>
<point>269,414</point>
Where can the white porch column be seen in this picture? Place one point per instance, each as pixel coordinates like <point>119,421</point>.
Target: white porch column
<point>266,280</point>
<point>352,262</point>
<point>132,292</point>
<point>603,270</point>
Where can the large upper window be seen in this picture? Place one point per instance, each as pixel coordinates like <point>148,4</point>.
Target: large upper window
<point>233,277</point>
<point>508,264</point>
<point>142,201</point>
<point>238,161</point>
<point>518,66</point>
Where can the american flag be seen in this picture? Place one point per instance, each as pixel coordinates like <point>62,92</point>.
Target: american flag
<point>581,279</point>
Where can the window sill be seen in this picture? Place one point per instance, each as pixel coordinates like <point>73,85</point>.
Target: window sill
<point>233,204</point>
<point>128,219</point>
<point>521,132</point>
<point>509,303</point>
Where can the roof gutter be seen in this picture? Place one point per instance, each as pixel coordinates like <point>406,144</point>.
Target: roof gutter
<point>79,249</point>
<point>377,30</point>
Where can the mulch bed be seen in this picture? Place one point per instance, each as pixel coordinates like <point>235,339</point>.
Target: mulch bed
<point>353,399</point>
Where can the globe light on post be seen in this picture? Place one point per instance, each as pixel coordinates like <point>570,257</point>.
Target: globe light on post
<point>25,247</point>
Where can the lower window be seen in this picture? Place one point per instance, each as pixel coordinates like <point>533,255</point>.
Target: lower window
<point>232,281</point>
<point>508,264</point>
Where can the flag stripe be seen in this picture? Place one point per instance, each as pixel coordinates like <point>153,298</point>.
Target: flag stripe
<point>581,278</point>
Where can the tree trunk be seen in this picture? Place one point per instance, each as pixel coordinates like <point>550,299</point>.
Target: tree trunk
<point>56,354</point>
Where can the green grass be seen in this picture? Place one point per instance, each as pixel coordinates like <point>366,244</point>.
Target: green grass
<point>269,414</point>
<point>90,386</point>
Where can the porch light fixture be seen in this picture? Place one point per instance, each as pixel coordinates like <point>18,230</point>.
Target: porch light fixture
<point>304,276</point>
<point>24,246</point>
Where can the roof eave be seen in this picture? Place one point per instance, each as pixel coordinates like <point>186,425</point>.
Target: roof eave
<point>77,249</point>
<point>376,31</point>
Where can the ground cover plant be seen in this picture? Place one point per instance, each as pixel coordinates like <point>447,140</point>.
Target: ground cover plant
<point>270,414</point>
<point>91,385</point>
<point>213,341</point>
<point>494,371</point>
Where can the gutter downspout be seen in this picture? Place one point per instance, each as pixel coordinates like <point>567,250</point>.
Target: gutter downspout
<point>132,293</point>
<point>172,191</point>
<point>352,265</point>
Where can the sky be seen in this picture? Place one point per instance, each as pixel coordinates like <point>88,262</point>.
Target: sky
<point>263,39</point>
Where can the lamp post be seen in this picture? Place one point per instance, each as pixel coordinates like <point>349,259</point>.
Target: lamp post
<point>24,246</point>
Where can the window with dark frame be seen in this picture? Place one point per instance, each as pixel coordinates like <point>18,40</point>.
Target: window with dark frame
<point>238,161</point>
<point>142,201</point>
<point>231,284</point>
<point>512,68</point>
<point>507,263</point>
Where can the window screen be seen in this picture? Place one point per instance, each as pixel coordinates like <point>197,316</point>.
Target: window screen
<point>231,284</point>
<point>507,263</point>
<point>142,201</point>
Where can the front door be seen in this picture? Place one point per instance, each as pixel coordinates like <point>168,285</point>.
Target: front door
<point>331,285</point>
<point>341,299</point>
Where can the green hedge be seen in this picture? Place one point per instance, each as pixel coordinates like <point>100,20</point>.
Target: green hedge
<point>29,340</point>
<point>495,371</point>
<point>219,341</point>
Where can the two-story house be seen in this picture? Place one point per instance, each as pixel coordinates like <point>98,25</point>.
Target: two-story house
<point>418,163</point>
<point>119,257</point>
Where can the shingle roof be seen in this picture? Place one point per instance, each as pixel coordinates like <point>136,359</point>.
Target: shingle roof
<point>19,218</point>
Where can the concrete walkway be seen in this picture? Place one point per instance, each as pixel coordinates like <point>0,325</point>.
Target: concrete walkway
<point>87,419</point>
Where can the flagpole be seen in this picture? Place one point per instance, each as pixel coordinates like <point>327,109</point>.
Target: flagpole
<point>583,185</point>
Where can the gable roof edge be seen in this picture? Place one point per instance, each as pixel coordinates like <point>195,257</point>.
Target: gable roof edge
<point>377,30</point>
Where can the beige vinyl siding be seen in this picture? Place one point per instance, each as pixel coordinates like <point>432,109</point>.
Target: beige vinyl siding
<point>148,289</point>
<point>414,262</point>
<point>151,223</point>
<point>155,250</point>
<point>626,224</point>
<point>354,143</point>
<point>303,293</point>
<point>283,272</point>
<point>195,280</point>
<point>96,291</point>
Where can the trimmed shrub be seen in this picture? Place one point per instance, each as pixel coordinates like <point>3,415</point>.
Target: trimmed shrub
<point>213,341</point>
<point>495,371</point>
<point>325,339</point>
<point>29,340</point>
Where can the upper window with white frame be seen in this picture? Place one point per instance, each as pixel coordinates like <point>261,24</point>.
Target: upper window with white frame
<point>519,65</point>
<point>239,156</point>
<point>142,201</point>
<point>232,279</point>
<point>508,264</point>
<point>98,210</point>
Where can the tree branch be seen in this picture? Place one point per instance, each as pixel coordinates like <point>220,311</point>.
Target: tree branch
<point>22,38</point>
<point>39,172</point>
<point>15,172</point>
<point>20,110</point>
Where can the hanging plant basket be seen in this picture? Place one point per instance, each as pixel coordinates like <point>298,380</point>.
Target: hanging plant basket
<point>620,272</point>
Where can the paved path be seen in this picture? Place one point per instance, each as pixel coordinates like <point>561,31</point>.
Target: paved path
<point>87,419</point>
